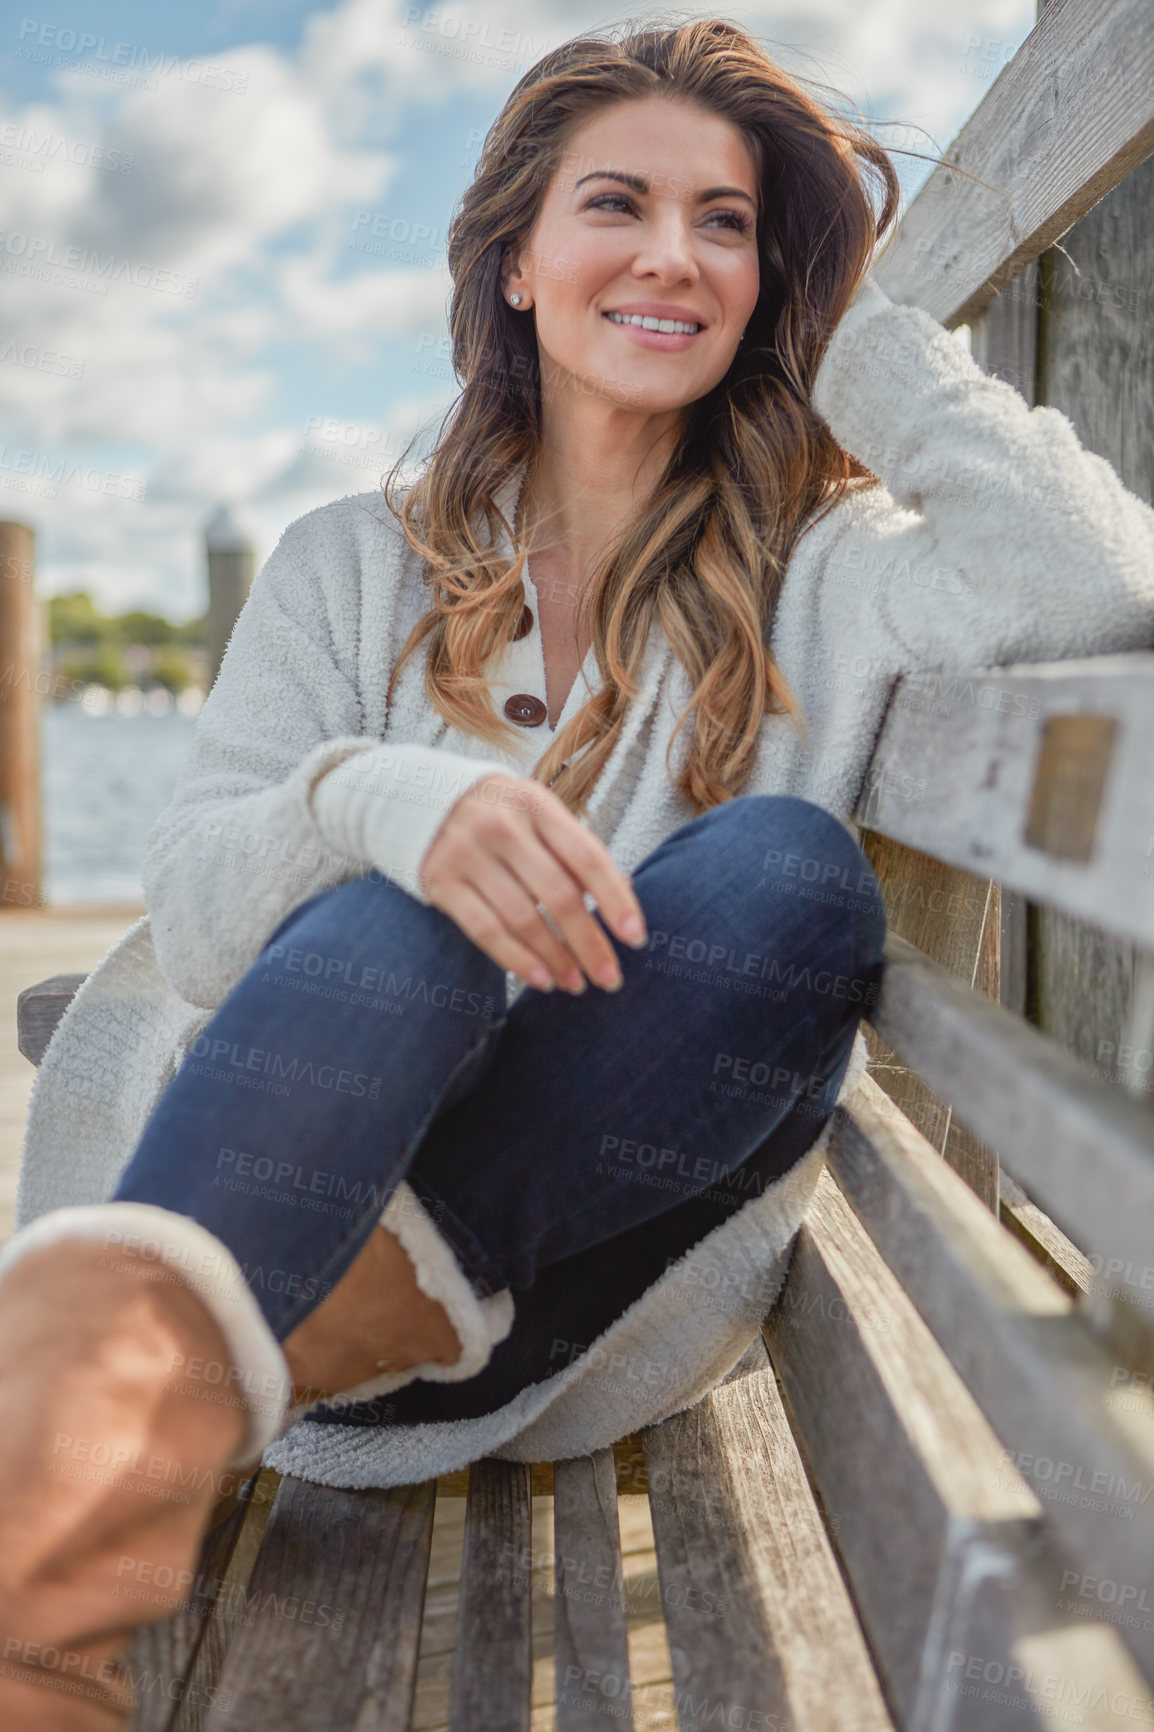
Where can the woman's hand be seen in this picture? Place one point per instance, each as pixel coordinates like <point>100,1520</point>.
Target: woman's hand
<point>511,843</point>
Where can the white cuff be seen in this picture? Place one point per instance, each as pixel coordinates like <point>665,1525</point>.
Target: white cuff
<point>385,805</point>
<point>259,1370</point>
<point>480,1323</point>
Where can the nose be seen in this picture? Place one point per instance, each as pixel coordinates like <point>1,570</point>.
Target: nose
<point>665,248</point>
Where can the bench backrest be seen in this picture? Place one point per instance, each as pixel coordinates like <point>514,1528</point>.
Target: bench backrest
<point>977,1415</point>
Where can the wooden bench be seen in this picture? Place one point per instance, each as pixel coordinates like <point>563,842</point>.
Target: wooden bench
<point>923,1500</point>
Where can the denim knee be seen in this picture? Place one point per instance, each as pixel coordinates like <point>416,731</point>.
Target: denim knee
<point>806,846</point>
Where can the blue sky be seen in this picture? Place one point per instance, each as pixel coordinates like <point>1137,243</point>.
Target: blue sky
<point>272,181</point>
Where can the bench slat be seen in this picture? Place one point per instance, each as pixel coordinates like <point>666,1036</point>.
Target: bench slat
<point>1082,1147</point>
<point>1036,775</point>
<point>757,1613</point>
<point>1066,119</point>
<point>591,1647</point>
<point>493,1657</point>
<point>38,1010</point>
<point>163,1654</point>
<point>1039,1375</point>
<point>1046,1242</point>
<point>911,1474</point>
<point>230,1611</point>
<point>333,1613</point>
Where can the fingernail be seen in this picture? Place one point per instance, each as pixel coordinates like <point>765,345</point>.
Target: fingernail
<point>541,979</point>
<point>633,929</point>
<point>610,979</point>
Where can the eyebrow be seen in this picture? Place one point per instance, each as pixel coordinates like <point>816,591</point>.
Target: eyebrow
<point>639,183</point>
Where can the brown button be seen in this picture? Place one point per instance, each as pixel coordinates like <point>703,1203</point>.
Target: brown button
<point>524,624</point>
<point>526,711</point>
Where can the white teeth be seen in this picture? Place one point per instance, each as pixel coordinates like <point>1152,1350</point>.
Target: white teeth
<point>648,323</point>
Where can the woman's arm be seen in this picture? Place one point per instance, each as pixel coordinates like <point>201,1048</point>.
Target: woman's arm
<point>1014,543</point>
<point>240,845</point>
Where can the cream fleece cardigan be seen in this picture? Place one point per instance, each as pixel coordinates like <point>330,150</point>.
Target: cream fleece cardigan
<point>993,539</point>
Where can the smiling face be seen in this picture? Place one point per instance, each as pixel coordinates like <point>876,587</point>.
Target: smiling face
<point>651,214</point>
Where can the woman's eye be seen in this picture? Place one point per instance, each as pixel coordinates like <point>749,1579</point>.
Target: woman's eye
<point>609,198</point>
<point>731,219</point>
<point>734,219</point>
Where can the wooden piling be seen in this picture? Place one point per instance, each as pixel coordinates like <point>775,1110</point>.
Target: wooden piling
<point>20,825</point>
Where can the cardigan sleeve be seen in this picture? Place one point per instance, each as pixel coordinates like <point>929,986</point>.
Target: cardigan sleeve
<point>1002,540</point>
<point>239,845</point>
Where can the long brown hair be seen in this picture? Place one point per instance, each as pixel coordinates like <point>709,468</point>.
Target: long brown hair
<point>707,553</point>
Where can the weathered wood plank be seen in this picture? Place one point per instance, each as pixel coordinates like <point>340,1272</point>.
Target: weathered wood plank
<point>38,1010</point>
<point>1047,1387</point>
<point>1004,337</point>
<point>333,1613</point>
<point>1082,1148</point>
<point>952,916</point>
<point>758,1616</point>
<point>1040,1653</point>
<point>1067,119</point>
<point>829,1676</point>
<point>1096,365</point>
<point>1046,1242</point>
<point>591,1649</point>
<point>492,1661</point>
<point>162,1655</point>
<point>914,1479</point>
<point>1036,775</point>
<point>1003,341</point>
<point>725,1662</point>
<point>629,1452</point>
<point>230,1611</point>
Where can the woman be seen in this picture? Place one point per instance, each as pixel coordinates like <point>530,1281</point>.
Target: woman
<point>340,1130</point>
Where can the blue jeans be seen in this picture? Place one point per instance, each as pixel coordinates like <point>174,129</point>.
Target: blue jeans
<point>568,1148</point>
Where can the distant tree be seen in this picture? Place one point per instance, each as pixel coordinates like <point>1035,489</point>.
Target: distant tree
<point>75,618</point>
<point>192,631</point>
<point>171,667</point>
<point>103,665</point>
<point>138,626</point>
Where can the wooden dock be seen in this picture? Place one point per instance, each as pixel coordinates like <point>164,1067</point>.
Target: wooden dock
<point>40,942</point>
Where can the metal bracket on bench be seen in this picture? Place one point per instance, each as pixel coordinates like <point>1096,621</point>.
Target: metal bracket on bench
<point>39,1009</point>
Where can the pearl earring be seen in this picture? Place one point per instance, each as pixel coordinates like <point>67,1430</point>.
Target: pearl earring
<point>515,300</point>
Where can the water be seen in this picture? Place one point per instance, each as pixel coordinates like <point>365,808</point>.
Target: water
<point>105,780</point>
